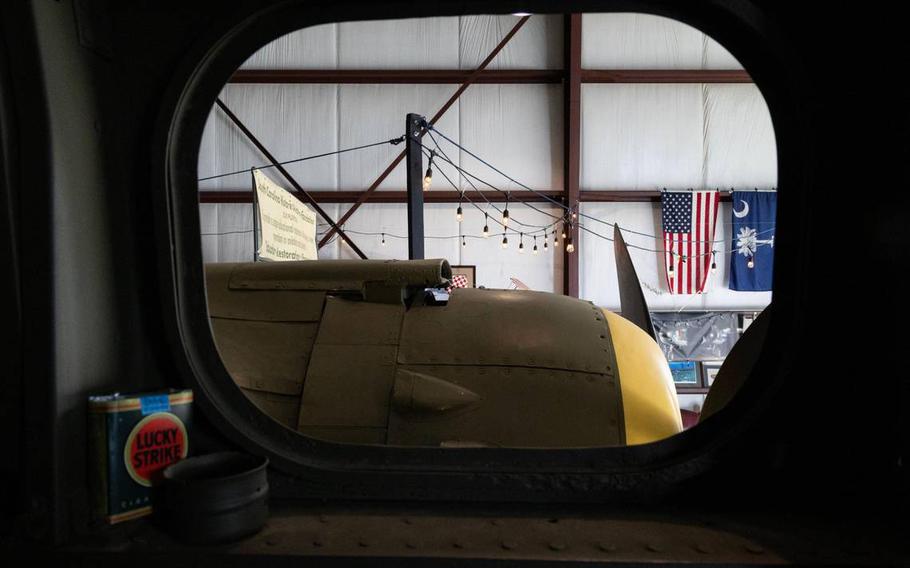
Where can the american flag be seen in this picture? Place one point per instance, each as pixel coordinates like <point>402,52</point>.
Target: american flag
<point>458,281</point>
<point>688,220</point>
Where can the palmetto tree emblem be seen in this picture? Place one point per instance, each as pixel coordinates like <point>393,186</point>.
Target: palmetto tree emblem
<point>747,241</point>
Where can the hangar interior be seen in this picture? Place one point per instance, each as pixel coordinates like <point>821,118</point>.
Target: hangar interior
<point>595,116</point>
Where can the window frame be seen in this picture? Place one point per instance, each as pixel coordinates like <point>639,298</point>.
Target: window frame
<point>316,468</point>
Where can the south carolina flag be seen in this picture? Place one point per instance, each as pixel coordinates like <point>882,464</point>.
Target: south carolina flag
<point>754,221</point>
<point>688,220</point>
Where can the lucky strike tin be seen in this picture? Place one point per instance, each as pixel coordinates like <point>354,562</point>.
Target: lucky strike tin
<point>132,438</point>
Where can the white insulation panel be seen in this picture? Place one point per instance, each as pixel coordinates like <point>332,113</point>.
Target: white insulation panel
<point>227,232</point>
<point>741,150</point>
<point>645,137</point>
<point>643,41</point>
<point>597,265</point>
<point>537,45</point>
<point>290,120</point>
<point>377,112</point>
<point>429,43</point>
<point>310,48</point>
<point>518,129</point>
<point>641,136</point>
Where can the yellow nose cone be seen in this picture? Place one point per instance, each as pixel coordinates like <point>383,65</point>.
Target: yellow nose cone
<point>650,406</point>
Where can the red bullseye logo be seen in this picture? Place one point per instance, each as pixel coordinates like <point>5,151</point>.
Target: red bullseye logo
<point>157,441</point>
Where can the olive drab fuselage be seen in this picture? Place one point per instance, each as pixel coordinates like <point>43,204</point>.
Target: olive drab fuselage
<point>359,352</point>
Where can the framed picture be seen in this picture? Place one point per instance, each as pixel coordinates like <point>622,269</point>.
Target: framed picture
<point>710,369</point>
<point>469,271</point>
<point>685,373</point>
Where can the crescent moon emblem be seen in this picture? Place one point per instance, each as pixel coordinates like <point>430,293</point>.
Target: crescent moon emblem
<point>744,212</point>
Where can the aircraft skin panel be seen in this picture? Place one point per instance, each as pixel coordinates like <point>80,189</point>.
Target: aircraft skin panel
<point>515,407</point>
<point>509,328</point>
<point>283,408</point>
<point>258,303</point>
<point>651,409</point>
<point>265,356</point>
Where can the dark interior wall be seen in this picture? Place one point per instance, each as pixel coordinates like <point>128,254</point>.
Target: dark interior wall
<point>85,292</point>
<point>91,288</point>
<point>86,334</point>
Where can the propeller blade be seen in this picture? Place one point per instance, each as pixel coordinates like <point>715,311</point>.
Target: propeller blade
<point>631,299</point>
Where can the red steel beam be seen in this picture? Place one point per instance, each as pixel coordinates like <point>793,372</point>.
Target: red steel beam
<point>488,76</point>
<point>663,76</point>
<point>572,157</point>
<point>395,76</point>
<point>442,110</point>
<point>439,196</point>
<point>387,196</point>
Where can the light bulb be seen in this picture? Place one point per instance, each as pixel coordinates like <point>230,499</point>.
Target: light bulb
<point>505,241</point>
<point>383,240</point>
<point>545,245</point>
<point>505,216</point>
<point>563,232</point>
<point>458,214</point>
<point>570,248</point>
<point>521,244</point>
<point>670,270</point>
<point>534,250</point>
<point>463,242</point>
<point>713,263</point>
<point>486,231</point>
<point>751,263</point>
<point>428,178</point>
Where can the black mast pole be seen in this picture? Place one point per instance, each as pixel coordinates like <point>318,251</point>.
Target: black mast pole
<point>414,168</point>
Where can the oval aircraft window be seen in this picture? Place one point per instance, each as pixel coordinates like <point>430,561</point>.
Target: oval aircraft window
<point>509,231</point>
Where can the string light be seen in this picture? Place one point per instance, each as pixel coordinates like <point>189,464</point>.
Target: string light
<point>570,246</point>
<point>505,213</point>
<point>431,129</point>
<point>521,243</point>
<point>428,177</point>
<point>393,141</point>
<point>571,213</point>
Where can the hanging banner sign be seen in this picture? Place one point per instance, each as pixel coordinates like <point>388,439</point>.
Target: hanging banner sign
<point>287,226</point>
